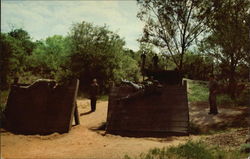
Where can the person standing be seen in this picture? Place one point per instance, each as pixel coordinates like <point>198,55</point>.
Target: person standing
<point>212,95</point>
<point>94,90</point>
<point>143,58</point>
<point>155,61</point>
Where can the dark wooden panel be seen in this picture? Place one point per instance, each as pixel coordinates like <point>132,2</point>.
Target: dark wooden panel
<point>153,129</point>
<point>165,112</point>
<point>41,109</point>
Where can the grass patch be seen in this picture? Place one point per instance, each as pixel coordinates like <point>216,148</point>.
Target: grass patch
<point>190,150</point>
<point>245,148</point>
<point>224,99</point>
<point>242,100</point>
<point>3,99</point>
<point>197,91</point>
<point>103,98</point>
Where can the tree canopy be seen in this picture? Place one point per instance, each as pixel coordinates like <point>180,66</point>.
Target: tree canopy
<point>229,38</point>
<point>99,53</point>
<point>172,25</point>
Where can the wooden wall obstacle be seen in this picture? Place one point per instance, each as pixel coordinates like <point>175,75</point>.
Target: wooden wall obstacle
<point>151,115</point>
<point>40,108</point>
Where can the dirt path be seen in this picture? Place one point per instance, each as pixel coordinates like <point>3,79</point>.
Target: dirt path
<point>227,117</point>
<point>81,142</point>
<point>85,142</point>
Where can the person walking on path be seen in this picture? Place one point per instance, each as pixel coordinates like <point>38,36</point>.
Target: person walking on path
<point>212,95</point>
<point>94,90</point>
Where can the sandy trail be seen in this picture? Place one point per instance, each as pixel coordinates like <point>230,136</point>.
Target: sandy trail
<point>81,141</point>
<point>84,142</point>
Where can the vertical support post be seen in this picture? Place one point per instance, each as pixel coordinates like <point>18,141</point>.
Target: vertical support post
<point>76,115</point>
<point>184,82</point>
<point>76,86</point>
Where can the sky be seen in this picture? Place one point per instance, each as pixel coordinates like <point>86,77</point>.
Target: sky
<point>47,18</point>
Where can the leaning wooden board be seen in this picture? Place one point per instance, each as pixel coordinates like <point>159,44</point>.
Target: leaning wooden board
<point>151,115</point>
<point>41,110</point>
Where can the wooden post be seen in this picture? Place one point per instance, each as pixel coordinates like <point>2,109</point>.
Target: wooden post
<point>74,102</point>
<point>76,115</point>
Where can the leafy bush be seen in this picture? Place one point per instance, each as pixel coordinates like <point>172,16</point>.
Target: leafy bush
<point>194,150</point>
<point>16,46</point>
<point>97,52</point>
<point>190,150</point>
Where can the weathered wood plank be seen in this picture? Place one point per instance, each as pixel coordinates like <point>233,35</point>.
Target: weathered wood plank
<point>44,109</point>
<point>165,112</point>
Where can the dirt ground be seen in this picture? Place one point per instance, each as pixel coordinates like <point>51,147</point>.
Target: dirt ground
<point>85,142</point>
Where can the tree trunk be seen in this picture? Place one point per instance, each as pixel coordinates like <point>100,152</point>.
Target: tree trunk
<point>232,81</point>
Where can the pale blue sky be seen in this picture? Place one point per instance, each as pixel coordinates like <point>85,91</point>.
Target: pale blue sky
<point>46,18</point>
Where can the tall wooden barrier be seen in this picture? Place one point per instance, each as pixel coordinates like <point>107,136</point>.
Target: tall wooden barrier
<point>149,115</point>
<point>41,109</point>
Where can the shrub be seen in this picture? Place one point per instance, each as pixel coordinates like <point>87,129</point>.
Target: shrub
<point>190,150</point>
<point>194,150</point>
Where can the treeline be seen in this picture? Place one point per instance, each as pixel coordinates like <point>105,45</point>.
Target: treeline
<point>195,37</point>
<point>87,52</point>
<point>218,29</point>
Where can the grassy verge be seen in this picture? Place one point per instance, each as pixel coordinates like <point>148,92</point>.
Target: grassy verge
<point>3,99</point>
<point>104,98</point>
<point>190,150</point>
<point>198,92</point>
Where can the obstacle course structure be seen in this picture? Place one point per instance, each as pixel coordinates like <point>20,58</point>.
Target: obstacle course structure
<point>154,114</point>
<point>41,108</point>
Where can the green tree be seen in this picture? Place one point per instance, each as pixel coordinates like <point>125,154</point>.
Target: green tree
<point>49,56</point>
<point>24,38</point>
<point>16,47</point>
<point>229,40</point>
<point>172,25</point>
<point>197,66</point>
<point>5,52</point>
<point>98,53</point>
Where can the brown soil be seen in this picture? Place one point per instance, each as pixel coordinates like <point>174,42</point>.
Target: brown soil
<point>86,141</point>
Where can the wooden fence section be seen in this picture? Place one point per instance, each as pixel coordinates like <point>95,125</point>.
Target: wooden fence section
<point>41,109</point>
<point>148,115</point>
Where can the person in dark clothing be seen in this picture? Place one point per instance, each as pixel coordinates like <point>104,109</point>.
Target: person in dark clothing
<point>155,61</point>
<point>94,90</point>
<point>212,95</point>
<point>143,58</point>
<point>147,88</point>
<point>15,81</point>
